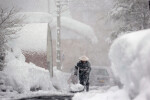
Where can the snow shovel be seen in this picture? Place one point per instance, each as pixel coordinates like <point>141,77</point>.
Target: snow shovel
<point>75,85</point>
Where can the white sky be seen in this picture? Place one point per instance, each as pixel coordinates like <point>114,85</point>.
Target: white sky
<point>27,5</point>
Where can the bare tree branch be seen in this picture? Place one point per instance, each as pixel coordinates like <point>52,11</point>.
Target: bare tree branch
<point>9,26</point>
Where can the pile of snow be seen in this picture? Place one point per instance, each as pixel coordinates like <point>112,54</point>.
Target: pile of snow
<point>21,77</point>
<point>112,94</point>
<point>60,80</point>
<point>25,77</point>
<point>5,88</point>
<point>129,55</point>
<point>76,87</point>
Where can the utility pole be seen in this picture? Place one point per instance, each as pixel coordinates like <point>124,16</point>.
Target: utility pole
<point>49,46</point>
<point>59,4</point>
<point>49,51</point>
<point>58,40</point>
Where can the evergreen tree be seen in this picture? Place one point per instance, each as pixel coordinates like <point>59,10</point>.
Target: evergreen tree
<point>130,15</point>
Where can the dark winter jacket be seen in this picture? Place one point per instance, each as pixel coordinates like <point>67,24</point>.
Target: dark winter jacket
<point>84,70</point>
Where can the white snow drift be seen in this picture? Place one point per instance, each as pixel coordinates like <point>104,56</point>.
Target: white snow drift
<point>130,61</point>
<point>24,76</point>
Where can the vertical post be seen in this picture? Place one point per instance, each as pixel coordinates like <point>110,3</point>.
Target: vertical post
<point>49,51</point>
<point>58,40</point>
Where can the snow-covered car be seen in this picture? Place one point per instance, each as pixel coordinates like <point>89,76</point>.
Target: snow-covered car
<point>101,76</point>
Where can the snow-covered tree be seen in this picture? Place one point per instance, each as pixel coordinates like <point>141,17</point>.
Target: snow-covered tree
<point>130,15</point>
<point>8,22</point>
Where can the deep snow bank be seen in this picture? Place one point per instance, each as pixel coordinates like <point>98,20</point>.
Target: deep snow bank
<point>25,77</point>
<point>129,56</point>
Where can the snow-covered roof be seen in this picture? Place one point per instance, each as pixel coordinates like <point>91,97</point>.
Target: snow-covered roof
<point>33,35</point>
<point>35,17</point>
<point>79,28</point>
<point>68,24</point>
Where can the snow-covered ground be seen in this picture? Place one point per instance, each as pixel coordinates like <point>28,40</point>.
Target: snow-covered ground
<point>40,93</point>
<point>113,93</point>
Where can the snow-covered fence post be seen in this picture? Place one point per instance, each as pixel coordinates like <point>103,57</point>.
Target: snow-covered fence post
<point>49,51</point>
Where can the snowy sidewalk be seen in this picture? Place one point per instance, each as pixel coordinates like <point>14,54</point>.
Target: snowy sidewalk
<point>113,93</point>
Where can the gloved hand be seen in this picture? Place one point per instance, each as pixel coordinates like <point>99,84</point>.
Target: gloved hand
<point>75,74</point>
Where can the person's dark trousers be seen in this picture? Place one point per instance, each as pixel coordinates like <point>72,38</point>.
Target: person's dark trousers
<point>87,86</point>
<point>85,83</point>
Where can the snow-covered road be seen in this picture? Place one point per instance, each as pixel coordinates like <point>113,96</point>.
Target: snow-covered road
<point>55,95</point>
<point>52,97</point>
<point>43,95</point>
<point>102,93</point>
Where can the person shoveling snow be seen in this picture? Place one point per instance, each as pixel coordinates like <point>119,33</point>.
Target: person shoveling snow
<point>80,79</point>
